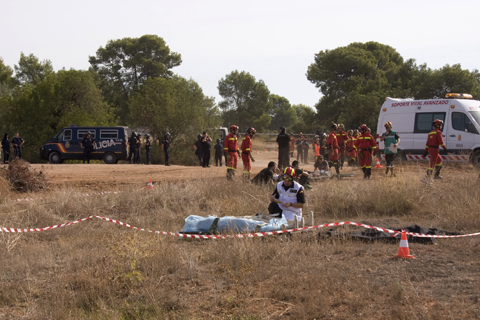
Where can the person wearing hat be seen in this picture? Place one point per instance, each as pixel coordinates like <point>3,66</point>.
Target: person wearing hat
<point>366,144</point>
<point>87,146</point>
<point>434,142</point>
<point>283,141</point>
<point>288,198</point>
<point>342,140</point>
<point>166,148</point>
<point>218,152</point>
<point>148,145</point>
<point>332,147</point>
<point>391,140</point>
<point>230,146</point>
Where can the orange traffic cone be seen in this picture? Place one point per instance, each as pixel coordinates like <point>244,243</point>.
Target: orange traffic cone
<point>150,184</point>
<point>403,250</point>
<point>257,151</point>
<point>266,150</point>
<point>378,164</point>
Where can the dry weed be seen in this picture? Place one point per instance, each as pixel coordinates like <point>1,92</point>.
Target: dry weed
<point>99,270</point>
<point>25,179</point>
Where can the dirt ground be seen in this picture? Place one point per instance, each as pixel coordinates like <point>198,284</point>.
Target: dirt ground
<point>103,177</point>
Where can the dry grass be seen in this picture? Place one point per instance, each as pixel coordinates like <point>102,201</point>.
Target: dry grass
<point>99,270</point>
<point>23,178</point>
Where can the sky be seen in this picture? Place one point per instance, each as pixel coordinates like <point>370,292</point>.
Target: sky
<point>275,41</point>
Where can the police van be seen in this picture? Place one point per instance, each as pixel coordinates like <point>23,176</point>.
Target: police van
<point>412,120</point>
<point>110,144</point>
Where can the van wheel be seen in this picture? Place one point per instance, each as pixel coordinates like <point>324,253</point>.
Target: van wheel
<point>109,158</point>
<point>54,158</point>
<point>475,158</point>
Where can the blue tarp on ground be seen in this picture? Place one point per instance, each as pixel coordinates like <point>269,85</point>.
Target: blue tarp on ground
<point>198,224</point>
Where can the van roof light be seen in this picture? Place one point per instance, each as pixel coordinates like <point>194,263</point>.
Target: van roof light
<point>458,96</point>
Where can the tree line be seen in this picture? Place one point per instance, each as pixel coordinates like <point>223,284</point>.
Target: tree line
<point>131,82</point>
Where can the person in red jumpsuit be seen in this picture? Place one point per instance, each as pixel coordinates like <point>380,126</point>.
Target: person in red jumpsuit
<point>351,151</point>
<point>247,153</point>
<point>366,146</point>
<point>231,149</point>
<point>332,148</point>
<point>434,141</point>
<point>342,140</point>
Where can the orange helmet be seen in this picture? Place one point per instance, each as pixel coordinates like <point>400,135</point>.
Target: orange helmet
<point>388,124</point>
<point>290,172</point>
<point>437,122</point>
<point>233,128</point>
<point>364,127</point>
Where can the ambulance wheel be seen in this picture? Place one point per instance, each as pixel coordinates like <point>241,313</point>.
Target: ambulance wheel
<point>109,158</point>
<point>475,158</point>
<point>54,157</point>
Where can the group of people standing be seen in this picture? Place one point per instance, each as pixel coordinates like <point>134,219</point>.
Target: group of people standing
<point>135,143</point>
<point>17,143</point>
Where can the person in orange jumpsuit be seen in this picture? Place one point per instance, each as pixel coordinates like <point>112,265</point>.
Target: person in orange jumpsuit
<point>332,148</point>
<point>247,153</point>
<point>434,141</point>
<point>351,151</point>
<point>316,146</point>
<point>231,149</point>
<point>342,140</point>
<point>366,145</point>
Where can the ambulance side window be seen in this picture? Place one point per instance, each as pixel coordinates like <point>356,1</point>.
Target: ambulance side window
<point>461,122</point>
<point>423,121</point>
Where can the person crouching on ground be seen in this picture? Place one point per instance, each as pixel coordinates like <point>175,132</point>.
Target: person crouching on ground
<point>302,175</point>
<point>288,198</point>
<point>247,153</point>
<point>266,176</point>
<point>321,164</point>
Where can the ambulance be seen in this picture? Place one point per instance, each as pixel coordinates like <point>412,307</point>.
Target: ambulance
<point>412,120</point>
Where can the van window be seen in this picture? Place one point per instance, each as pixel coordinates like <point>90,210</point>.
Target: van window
<point>67,134</point>
<point>423,121</point>
<point>461,122</point>
<point>83,132</point>
<point>108,134</point>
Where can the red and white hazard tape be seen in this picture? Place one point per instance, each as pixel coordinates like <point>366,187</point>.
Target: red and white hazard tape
<point>81,195</point>
<point>248,235</point>
<point>458,158</point>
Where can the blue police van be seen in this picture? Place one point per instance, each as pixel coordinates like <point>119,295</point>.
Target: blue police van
<point>110,144</point>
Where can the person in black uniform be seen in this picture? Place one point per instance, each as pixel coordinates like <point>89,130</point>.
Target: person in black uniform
<point>166,148</point>
<point>6,148</point>
<point>87,146</point>
<point>206,147</point>
<point>132,143</point>
<point>266,175</point>
<point>283,141</point>
<point>137,158</point>
<point>148,144</point>
<point>198,149</point>
<point>17,142</point>
<point>218,152</point>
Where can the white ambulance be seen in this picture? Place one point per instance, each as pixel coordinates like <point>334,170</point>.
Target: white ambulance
<point>412,120</point>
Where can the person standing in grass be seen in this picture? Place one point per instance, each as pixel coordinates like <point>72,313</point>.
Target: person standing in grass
<point>391,140</point>
<point>166,148</point>
<point>247,153</point>
<point>218,152</point>
<point>87,146</point>
<point>17,142</point>
<point>366,144</point>
<point>332,147</point>
<point>231,148</point>
<point>434,141</point>
<point>148,145</point>
<point>6,148</point>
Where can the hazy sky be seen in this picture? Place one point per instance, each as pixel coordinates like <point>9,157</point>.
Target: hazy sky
<point>273,40</point>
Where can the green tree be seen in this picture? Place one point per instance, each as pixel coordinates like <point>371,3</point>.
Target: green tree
<point>433,84</point>
<point>7,81</point>
<point>355,81</point>
<point>246,101</point>
<point>177,106</point>
<point>282,113</point>
<point>32,71</point>
<point>307,121</point>
<point>39,111</point>
<point>124,64</point>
